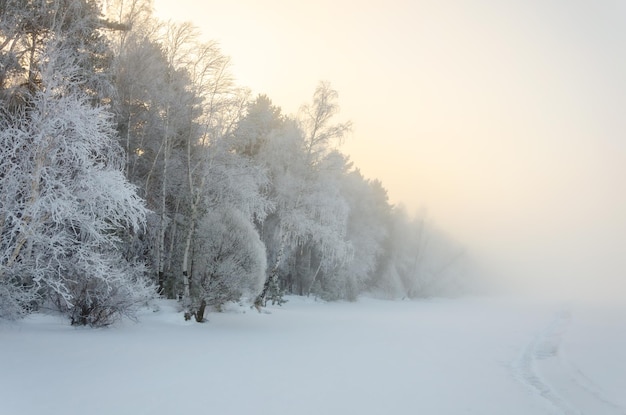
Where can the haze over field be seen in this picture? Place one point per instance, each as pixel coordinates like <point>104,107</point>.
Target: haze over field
<point>171,243</point>
<point>503,119</point>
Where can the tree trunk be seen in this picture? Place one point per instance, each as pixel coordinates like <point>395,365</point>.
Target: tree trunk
<point>200,312</point>
<point>161,240</point>
<point>317,271</point>
<point>195,200</point>
<point>272,278</point>
<point>186,290</point>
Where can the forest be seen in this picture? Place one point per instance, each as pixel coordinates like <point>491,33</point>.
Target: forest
<point>133,165</point>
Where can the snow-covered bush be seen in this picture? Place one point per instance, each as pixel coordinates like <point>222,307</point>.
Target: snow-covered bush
<point>230,258</point>
<point>17,297</point>
<point>99,301</point>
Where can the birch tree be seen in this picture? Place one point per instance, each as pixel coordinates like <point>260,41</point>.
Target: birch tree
<point>66,207</point>
<point>304,233</point>
<point>325,246</point>
<point>155,109</point>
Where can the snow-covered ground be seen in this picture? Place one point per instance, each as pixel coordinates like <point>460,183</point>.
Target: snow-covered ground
<point>462,356</point>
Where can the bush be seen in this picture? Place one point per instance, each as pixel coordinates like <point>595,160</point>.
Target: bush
<point>99,302</point>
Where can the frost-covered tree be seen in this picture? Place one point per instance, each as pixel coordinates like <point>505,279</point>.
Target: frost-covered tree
<point>321,135</point>
<point>419,259</point>
<point>325,248</point>
<point>27,26</point>
<point>229,259</point>
<point>288,223</point>
<point>139,68</point>
<point>177,125</point>
<point>227,199</point>
<point>304,232</point>
<point>66,208</point>
<point>262,118</point>
<point>269,140</point>
<point>218,108</point>
<point>367,231</point>
<point>155,111</point>
<point>129,17</point>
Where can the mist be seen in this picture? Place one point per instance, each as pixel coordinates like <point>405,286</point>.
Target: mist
<point>503,119</point>
<point>558,233</point>
<point>379,206</point>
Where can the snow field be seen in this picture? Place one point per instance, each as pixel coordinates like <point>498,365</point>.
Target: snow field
<point>464,356</point>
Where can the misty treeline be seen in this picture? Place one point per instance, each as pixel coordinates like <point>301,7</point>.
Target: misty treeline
<point>132,165</point>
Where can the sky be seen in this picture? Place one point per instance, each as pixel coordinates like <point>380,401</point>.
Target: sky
<point>502,119</point>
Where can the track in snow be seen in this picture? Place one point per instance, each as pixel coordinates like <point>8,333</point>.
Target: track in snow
<point>543,369</point>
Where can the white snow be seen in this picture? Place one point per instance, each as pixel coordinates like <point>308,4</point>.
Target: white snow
<point>462,356</point>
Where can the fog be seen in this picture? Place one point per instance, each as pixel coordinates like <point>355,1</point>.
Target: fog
<point>503,119</point>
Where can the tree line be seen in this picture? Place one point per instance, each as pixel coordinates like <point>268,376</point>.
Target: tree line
<point>133,165</point>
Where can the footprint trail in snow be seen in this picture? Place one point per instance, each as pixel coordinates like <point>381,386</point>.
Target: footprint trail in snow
<point>546,372</point>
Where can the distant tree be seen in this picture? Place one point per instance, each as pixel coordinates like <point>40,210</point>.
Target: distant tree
<point>325,248</point>
<point>262,118</point>
<point>367,231</point>
<point>130,17</point>
<point>419,260</point>
<point>315,119</point>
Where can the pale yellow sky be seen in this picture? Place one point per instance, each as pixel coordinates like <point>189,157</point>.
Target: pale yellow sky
<point>504,119</point>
